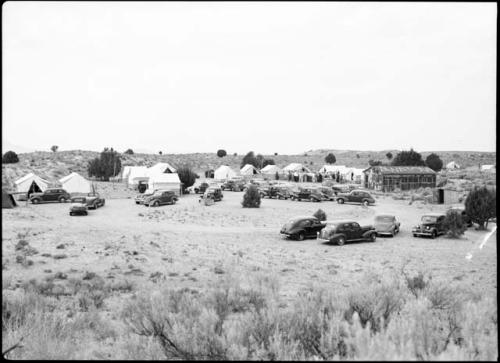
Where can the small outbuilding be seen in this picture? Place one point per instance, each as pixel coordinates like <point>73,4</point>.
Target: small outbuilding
<point>8,200</point>
<point>490,168</point>
<point>31,183</point>
<point>75,183</point>
<point>388,178</point>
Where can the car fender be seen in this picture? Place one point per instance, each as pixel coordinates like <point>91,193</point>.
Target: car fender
<point>336,236</point>
<point>367,234</point>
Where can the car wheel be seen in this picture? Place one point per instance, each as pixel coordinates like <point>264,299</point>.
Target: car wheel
<point>341,241</point>
<point>85,213</point>
<point>35,201</point>
<point>156,204</point>
<point>70,213</point>
<point>340,201</point>
<point>434,235</point>
<point>366,203</point>
<point>312,200</point>
<point>301,236</point>
<point>373,237</point>
<point>414,235</point>
<point>62,200</point>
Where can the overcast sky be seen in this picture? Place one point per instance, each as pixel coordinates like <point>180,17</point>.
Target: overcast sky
<point>269,77</point>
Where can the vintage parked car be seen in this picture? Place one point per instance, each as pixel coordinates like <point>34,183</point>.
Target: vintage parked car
<point>233,185</point>
<point>78,206</point>
<point>311,195</point>
<point>214,193</point>
<point>465,217</point>
<point>387,224</point>
<point>50,195</point>
<point>355,196</point>
<point>201,188</point>
<point>269,192</point>
<point>431,225</point>
<point>139,198</point>
<point>302,227</point>
<point>283,192</point>
<point>340,232</point>
<point>160,197</point>
<point>326,192</point>
<point>94,201</point>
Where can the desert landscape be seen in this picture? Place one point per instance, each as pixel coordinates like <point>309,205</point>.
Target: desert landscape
<point>124,250</point>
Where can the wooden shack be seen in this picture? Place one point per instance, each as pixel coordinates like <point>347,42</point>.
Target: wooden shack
<point>388,178</point>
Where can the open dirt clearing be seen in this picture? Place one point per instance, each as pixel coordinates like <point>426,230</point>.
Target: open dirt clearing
<point>188,244</point>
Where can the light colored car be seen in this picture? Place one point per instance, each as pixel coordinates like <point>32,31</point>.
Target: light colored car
<point>78,206</point>
<point>387,224</point>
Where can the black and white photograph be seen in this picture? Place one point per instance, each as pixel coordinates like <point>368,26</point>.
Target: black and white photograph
<point>290,181</point>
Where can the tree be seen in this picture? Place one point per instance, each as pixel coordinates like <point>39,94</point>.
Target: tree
<point>221,153</point>
<point>480,205</point>
<point>235,154</point>
<point>319,178</point>
<point>108,164</point>
<point>275,154</point>
<point>267,162</point>
<point>260,161</point>
<point>372,162</point>
<point>250,158</point>
<point>186,176</point>
<point>454,224</point>
<point>357,156</point>
<point>434,162</point>
<point>408,158</point>
<point>160,152</point>
<point>330,158</point>
<point>129,151</point>
<point>388,155</point>
<point>10,157</point>
<point>320,214</point>
<point>277,176</point>
<point>54,148</point>
<point>251,198</point>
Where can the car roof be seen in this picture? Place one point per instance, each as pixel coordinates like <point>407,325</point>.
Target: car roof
<point>433,214</point>
<point>340,221</point>
<point>385,215</point>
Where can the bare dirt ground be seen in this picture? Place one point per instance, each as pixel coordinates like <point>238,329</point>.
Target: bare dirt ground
<point>190,245</point>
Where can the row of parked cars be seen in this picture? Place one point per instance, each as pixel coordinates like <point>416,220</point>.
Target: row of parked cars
<point>340,232</point>
<point>80,205</point>
<point>317,194</point>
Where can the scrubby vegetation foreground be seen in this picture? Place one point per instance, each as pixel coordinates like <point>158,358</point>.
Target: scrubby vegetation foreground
<point>404,317</point>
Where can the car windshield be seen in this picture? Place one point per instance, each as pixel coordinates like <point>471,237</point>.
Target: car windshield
<point>429,219</point>
<point>384,219</point>
<point>158,194</point>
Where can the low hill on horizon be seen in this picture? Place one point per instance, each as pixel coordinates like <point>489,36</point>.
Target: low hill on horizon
<point>53,166</point>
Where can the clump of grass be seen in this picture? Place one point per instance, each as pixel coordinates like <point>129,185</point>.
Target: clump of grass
<point>59,256</point>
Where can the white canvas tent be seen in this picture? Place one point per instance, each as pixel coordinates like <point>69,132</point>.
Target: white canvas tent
<point>249,169</point>
<point>452,165</point>
<point>137,174</point>
<point>488,168</point>
<point>354,174</point>
<point>160,168</point>
<point>296,167</point>
<point>31,183</point>
<point>271,170</point>
<point>330,169</point>
<point>224,172</point>
<point>125,172</point>
<point>75,183</point>
<point>165,181</point>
